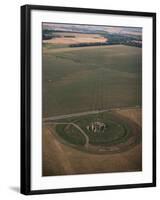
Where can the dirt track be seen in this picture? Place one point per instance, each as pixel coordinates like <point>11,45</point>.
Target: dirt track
<point>60,159</point>
<point>75,125</point>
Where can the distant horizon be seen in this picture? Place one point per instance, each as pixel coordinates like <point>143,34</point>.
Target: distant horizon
<point>91,28</point>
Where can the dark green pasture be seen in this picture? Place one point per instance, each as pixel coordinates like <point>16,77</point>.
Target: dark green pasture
<point>117,130</point>
<point>90,78</point>
<point>71,134</point>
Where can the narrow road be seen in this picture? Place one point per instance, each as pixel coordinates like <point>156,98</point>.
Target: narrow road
<point>76,126</point>
<point>85,135</point>
<point>86,113</point>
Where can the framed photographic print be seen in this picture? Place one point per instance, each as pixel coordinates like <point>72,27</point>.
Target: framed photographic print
<point>88,99</point>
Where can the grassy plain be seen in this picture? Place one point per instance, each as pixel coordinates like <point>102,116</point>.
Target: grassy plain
<point>75,78</point>
<point>116,131</point>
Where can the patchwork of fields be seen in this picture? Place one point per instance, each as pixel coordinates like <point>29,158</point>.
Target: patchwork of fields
<point>87,87</point>
<point>74,38</point>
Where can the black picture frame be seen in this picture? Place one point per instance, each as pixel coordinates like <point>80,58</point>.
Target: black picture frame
<point>26,98</point>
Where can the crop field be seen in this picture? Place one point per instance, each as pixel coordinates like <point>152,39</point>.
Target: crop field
<point>90,78</point>
<point>75,38</point>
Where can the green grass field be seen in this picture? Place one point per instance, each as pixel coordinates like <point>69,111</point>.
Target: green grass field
<point>84,79</point>
<point>71,135</point>
<point>119,134</point>
<point>117,130</point>
<point>49,46</point>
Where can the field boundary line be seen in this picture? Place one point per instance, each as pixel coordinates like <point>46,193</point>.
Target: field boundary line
<point>87,113</point>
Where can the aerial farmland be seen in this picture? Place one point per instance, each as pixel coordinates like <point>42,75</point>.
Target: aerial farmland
<point>91,99</point>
